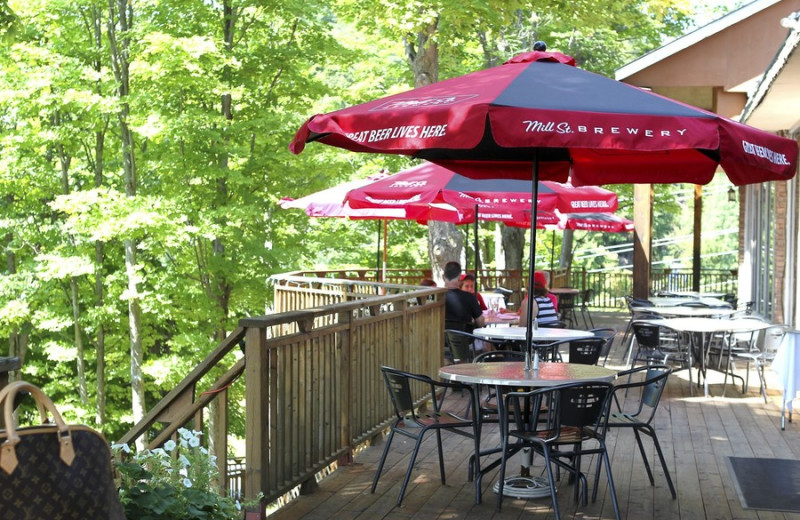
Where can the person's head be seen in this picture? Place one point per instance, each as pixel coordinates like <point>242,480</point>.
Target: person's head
<point>452,270</point>
<point>539,283</point>
<point>467,282</point>
<point>427,282</point>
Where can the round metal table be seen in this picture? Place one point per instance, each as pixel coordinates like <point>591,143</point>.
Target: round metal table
<point>513,373</point>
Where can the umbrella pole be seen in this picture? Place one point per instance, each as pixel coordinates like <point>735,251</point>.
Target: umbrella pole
<point>378,255</point>
<point>552,251</point>
<point>477,251</point>
<point>385,246</point>
<point>532,267</point>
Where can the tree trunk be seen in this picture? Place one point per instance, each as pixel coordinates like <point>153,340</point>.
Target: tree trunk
<point>121,18</point>
<point>99,247</point>
<point>445,243</point>
<point>17,341</point>
<point>513,246</point>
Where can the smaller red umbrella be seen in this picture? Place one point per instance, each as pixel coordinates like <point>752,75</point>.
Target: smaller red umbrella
<point>607,222</point>
<point>429,183</point>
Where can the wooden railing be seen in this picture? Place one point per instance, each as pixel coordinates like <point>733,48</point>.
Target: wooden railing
<point>609,286</point>
<point>312,383</point>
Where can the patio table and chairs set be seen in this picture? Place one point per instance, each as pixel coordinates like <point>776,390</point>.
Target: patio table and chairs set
<point>560,411</point>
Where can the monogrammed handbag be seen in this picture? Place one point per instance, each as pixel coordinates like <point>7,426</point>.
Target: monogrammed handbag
<point>53,470</point>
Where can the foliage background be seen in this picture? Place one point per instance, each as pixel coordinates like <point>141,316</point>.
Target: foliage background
<point>216,90</point>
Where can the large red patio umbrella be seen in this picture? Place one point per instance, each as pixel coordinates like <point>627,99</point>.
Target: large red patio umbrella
<point>543,118</point>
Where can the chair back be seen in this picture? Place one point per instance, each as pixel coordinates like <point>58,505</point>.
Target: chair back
<point>550,409</point>
<point>655,380</point>
<point>770,339</point>
<point>587,297</point>
<point>398,384</point>
<point>581,404</point>
<point>651,386</point>
<point>494,356</point>
<point>647,336</point>
<point>586,351</point>
<point>460,344</point>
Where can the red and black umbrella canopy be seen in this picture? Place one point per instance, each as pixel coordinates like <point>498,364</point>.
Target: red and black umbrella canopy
<point>430,183</point>
<point>538,103</point>
<point>539,117</point>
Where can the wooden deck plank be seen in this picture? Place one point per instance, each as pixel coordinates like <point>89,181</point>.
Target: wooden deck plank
<point>697,435</point>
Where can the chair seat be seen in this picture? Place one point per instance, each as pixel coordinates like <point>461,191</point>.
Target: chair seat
<point>431,419</point>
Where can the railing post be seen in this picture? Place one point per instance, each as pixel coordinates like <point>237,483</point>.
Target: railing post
<point>346,376</point>
<point>256,426</point>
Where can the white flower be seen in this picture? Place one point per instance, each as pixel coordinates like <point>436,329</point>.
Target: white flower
<point>184,461</point>
<point>185,434</point>
<point>238,506</point>
<point>194,442</point>
<point>123,447</point>
<point>169,445</point>
<point>187,482</point>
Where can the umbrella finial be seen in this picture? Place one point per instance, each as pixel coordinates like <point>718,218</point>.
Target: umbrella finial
<point>540,46</point>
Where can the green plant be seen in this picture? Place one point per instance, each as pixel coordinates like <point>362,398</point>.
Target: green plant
<point>173,482</point>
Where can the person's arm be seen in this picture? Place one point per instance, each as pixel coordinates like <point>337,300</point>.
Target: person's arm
<point>523,311</point>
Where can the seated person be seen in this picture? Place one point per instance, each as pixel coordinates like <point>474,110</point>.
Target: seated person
<point>544,308</point>
<point>467,283</point>
<point>461,310</point>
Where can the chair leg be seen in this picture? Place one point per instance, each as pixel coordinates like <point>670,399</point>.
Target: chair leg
<point>610,483</point>
<point>441,456</point>
<point>644,456</point>
<point>382,461</point>
<point>411,466</point>
<point>652,433</point>
<point>551,481</point>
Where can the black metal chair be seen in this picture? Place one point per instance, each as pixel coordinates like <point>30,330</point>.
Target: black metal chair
<point>652,350</point>
<point>414,424</point>
<point>586,351</point>
<point>460,346</point>
<point>609,334</point>
<point>488,404</point>
<point>558,422</point>
<point>640,417</point>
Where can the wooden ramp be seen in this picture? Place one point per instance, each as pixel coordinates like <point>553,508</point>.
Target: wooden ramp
<point>697,435</point>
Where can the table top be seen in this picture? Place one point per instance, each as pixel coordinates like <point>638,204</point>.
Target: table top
<point>710,324</point>
<point>693,312</point>
<point>513,373</point>
<point>502,318</point>
<point>540,334</point>
<point>670,301</point>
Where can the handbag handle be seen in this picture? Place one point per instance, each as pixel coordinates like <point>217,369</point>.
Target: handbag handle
<point>8,455</point>
<point>39,406</point>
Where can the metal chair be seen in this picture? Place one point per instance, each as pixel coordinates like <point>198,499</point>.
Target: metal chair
<point>640,417</point>
<point>460,345</point>
<point>762,354</point>
<point>488,405</point>
<point>566,309</point>
<point>609,334</point>
<point>414,424</point>
<point>652,350</point>
<point>586,351</point>
<point>557,422</point>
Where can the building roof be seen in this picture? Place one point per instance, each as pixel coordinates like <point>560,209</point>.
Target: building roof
<point>775,103</point>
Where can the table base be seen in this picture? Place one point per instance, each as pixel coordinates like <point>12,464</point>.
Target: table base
<point>524,487</point>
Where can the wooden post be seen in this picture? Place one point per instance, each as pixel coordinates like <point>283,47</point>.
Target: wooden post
<point>257,417</point>
<point>698,236</point>
<point>346,434</point>
<point>642,236</point>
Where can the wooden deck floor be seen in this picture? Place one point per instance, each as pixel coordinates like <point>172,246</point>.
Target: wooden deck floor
<point>697,434</point>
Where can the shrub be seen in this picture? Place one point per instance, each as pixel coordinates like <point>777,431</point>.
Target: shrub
<point>173,482</point>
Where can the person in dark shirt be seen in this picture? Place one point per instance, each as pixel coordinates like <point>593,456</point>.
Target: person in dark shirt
<point>461,309</point>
